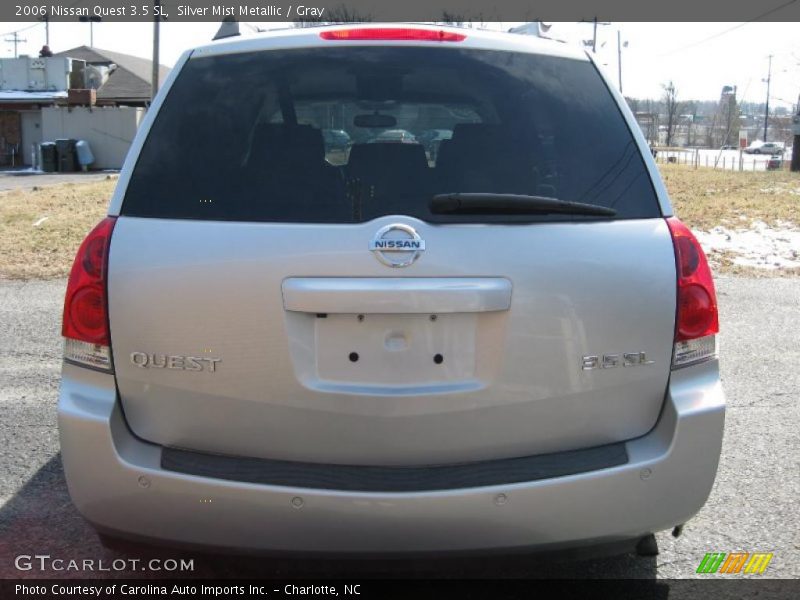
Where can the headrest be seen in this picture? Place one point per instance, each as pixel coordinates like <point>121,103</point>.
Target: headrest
<point>381,156</point>
<point>287,145</point>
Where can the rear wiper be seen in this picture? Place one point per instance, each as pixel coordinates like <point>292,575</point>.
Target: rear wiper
<point>488,203</point>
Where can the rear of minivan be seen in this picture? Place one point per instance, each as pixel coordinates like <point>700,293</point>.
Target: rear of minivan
<point>280,344</point>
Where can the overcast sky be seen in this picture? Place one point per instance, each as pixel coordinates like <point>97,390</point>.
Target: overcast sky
<point>699,57</point>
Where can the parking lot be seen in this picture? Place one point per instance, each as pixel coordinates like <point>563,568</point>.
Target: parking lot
<point>753,506</point>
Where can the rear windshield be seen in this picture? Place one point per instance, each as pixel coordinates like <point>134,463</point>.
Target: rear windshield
<point>345,135</point>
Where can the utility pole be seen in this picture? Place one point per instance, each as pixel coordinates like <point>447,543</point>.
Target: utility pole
<point>594,23</point>
<point>16,40</point>
<point>156,20</point>
<point>766,110</point>
<point>91,20</point>
<point>46,19</point>
<point>796,143</point>
<point>619,60</point>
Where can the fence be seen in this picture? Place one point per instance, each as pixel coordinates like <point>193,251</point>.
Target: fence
<point>730,160</point>
<point>108,130</point>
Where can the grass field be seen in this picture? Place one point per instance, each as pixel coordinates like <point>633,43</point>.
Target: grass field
<point>40,229</point>
<point>704,198</point>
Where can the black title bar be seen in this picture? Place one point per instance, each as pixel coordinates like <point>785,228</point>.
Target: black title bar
<point>475,11</point>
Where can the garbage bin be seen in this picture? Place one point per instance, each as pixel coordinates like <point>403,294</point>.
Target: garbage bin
<point>774,164</point>
<point>84,154</point>
<point>67,158</point>
<point>49,157</point>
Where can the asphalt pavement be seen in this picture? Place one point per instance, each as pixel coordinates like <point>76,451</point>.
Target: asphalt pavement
<point>21,178</point>
<point>753,506</point>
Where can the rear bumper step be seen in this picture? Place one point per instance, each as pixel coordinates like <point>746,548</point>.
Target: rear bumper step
<point>393,479</point>
<point>117,482</point>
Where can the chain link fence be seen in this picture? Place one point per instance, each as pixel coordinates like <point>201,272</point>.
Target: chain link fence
<point>730,160</point>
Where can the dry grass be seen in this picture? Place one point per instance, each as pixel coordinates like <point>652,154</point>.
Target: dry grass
<point>29,251</point>
<point>702,197</point>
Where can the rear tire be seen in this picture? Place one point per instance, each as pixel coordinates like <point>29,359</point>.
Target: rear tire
<point>647,546</point>
<point>119,545</point>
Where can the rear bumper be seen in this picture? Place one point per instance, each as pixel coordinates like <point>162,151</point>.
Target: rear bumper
<point>116,481</point>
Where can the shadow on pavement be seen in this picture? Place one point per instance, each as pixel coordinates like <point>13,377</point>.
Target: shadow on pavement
<point>41,520</point>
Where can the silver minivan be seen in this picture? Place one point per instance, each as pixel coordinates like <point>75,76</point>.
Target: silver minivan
<point>275,345</point>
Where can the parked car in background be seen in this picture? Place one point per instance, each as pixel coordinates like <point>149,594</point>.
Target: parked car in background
<point>728,147</point>
<point>771,148</point>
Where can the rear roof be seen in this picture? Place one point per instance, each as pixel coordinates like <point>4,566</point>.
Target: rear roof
<point>305,37</point>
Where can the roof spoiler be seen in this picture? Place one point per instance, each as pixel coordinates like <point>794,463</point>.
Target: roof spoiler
<point>534,28</point>
<point>230,28</point>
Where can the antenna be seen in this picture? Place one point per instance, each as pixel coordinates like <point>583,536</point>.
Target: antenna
<point>766,108</point>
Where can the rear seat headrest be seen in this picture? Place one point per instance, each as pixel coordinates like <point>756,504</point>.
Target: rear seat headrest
<point>287,145</point>
<point>378,157</point>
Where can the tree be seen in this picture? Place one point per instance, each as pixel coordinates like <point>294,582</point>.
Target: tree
<point>453,19</point>
<point>633,104</point>
<point>690,109</point>
<point>462,20</point>
<point>672,108</point>
<point>338,14</point>
<point>727,119</point>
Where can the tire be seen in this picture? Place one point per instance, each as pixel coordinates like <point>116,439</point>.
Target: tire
<point>123,546</point>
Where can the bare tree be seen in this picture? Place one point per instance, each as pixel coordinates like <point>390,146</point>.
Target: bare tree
<point>338,14</point>
<point>453,19</point>
<point>633,104</point>
<point>672,108</point>
<point>459,20</point>
<point>690,108</point>
<point>727,118</point>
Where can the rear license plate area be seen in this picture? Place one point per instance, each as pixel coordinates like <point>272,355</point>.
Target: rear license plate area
<point>395,349</point>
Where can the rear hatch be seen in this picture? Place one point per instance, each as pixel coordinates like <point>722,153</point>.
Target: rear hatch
<point>274,297</point>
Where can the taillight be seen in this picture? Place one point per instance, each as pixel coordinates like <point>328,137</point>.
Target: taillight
<point>393,33</point>
<point>87,340</point>
<point>696,319</point>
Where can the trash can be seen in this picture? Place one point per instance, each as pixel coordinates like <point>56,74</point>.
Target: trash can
<point>84,154</point>
<point>774,164</point>
<point>49,157</point>
<point>67,157</point>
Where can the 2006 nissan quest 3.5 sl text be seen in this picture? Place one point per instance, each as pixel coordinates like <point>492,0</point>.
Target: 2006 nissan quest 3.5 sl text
<point>473,323</point>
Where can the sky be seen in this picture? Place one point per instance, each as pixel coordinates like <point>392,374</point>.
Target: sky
<point>700,58</point>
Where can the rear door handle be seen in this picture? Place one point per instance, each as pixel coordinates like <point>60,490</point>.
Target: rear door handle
<point>396,294</point>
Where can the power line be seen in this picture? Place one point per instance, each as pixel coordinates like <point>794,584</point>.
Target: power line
<point>21,30</point>
<point>726,31</point>
<point>42,22</point>
<point>16,40</point>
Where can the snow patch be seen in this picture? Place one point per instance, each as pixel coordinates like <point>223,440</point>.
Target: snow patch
<point>759,246</point>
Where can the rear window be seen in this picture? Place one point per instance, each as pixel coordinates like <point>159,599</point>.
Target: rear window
<point>345,135</point>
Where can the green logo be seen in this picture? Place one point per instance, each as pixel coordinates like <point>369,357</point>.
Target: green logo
<point>735,562</point>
